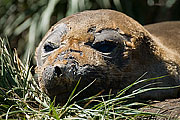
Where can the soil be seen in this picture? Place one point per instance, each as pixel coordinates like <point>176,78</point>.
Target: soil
<point>169,108</point>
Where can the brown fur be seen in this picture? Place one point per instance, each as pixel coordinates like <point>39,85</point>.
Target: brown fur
<point>74,55</point>
<point>165,33</point>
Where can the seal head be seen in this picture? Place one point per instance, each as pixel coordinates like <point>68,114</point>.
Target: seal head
<point>103,44</point>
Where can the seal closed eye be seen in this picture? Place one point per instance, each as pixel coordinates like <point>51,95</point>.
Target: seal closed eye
<point>108,46</point>
<point>48,47</point>
<point>104,46</point>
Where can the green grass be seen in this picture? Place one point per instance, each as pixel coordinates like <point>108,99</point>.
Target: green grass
<point>21,97</point>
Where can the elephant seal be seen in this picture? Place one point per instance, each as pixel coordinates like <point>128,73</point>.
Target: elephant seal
<point>110,47</point>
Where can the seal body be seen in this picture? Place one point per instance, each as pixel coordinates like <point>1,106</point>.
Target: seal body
<point>106,46</point>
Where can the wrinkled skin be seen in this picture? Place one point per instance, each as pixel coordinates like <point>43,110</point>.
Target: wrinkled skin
<point>106,46</point>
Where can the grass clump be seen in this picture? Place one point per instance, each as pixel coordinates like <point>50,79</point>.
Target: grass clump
<point>21,97</point>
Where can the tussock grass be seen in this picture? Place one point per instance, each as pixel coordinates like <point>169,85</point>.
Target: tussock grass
<point>21,97</point>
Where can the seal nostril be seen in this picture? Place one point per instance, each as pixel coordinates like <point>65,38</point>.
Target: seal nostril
<point>58,71</point>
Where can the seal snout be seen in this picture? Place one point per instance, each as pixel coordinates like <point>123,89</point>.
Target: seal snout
<point>50,76</point>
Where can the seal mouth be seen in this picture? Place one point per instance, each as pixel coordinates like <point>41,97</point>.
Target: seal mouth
<point>65,86</point>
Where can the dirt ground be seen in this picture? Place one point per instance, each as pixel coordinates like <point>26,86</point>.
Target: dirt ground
<point>170,108</point>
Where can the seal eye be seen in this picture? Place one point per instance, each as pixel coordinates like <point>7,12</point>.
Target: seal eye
<point>104,46</point>
<point>48,47</point>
